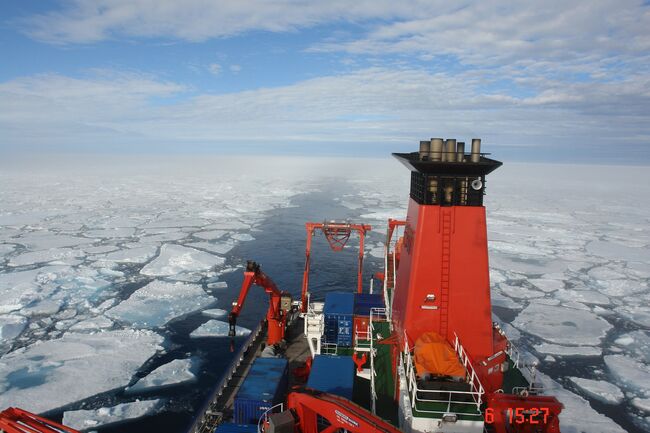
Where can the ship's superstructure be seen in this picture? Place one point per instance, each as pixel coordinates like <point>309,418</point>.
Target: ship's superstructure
<point>418,353</point>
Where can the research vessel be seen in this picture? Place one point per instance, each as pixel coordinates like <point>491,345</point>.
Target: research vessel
<point>414,349</point>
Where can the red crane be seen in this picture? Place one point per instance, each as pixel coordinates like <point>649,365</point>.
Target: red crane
<point>279,303</point>
<point>14,420</point>
<point>337,234</point>
<point>310,411</point>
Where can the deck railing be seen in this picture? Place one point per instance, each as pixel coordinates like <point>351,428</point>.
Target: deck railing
<point>376,314</point>
<point>428,401</point>
<point>528,369</point>
<point>265,416</point>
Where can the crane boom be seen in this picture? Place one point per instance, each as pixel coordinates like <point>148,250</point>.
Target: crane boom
<point>279,303</point>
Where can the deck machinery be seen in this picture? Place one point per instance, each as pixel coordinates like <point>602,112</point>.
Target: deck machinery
<point>429,359</point>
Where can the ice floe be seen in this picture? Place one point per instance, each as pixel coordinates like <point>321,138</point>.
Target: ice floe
<point>11,326</point>
<point>216,313</point>
<point>159,302</point>
<point>140,254</point>
<point>175,259</point>
<point>558,350</point>
<point>173,373</point>
<point>217,328</point>
<point>562,325</point>
<point>45,375</point>
<point>636,343</point>
<point>90,419</point>
<point>630,374</point>
<point>599,389</point>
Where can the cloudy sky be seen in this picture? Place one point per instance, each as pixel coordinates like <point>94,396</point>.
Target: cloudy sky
<point>564,79</point>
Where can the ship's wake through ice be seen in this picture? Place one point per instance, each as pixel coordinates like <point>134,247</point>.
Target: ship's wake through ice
<point>114,285</point>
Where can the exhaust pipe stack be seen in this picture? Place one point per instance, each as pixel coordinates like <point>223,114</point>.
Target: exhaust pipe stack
<point>441,150</point>
<point>460,151</point>
<point>436,149</point>
<point>476,149</point>
<point>425,147</point>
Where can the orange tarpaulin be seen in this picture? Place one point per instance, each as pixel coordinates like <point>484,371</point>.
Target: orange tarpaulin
<point>434,355</point>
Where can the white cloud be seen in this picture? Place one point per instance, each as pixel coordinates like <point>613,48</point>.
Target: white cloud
<point>214,68</point>
<point>84,21</point>
<point>235,68</point>
<point>365,107</point>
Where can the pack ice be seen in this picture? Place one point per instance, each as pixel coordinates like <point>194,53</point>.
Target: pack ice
<point>88,419</point>
<point>46,374</point>
<point>159,302</point>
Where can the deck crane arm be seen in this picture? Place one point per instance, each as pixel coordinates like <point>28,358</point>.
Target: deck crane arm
<point>14,420</point>
<point>308,408</point>
<point>279,303</point>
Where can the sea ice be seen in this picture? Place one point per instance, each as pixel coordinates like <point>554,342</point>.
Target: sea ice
<point>599,389</point>
<point>140,254</point>
<point>112,233</point>
<point>220,248</point>
<point>519,291</point>
<point>641,404</point>
<point>636,343</point>
<point>89,419</point>
<point>630,374</point>
<point>173,373</point>
<point>58,255</point>
<point>577,415</point>
<point>639,314</point>
<point>45,375</point>
<point>591,297</point>
<point>11,326</point>
<point>242,237</point>
<point>209,235</point>
<point>562,325</point>
<point>617,251</point>
<point>215,313</point>
<point>175,259</point>
<point>159,302</point>
<point>546,285</point>
<point>43,240</point>
<point>217,328</point>
<point>558,350</point>
<point>92,324</point>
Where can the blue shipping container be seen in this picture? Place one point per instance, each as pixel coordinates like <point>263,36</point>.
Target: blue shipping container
<point>338,312</point>
<point>263,387</point>
<point>363,302</point>
<point>332,374</point>
<point>228,427</point>
<point>337,303</point>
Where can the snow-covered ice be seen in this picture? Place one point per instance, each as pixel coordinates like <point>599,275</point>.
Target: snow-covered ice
<point>558,350</point>
<point>599,389</point>
<point>45,375</point>
<point>173,373</point>
<point>159,302</point>
<point>217,328</point>
<point>215,313</point>
<point>562,325</point>
<point>631,375</point>
<point>175,259</point>
<point>90,419</point>
<point>139,254</point>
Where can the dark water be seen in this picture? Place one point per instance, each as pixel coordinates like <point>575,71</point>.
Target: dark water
<point>279,247</point>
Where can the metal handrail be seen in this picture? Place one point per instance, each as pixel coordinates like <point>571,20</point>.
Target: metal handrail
<point>265,416</point>
<point>529,370</point>
<point>203,423</point>
<point>414,391</point>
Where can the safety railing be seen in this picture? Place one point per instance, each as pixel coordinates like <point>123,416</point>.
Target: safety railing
<point>527,369</point>
<point>265,416</point>
<point>376,314</point>
<point>438,402</point>
<point>329,348</point>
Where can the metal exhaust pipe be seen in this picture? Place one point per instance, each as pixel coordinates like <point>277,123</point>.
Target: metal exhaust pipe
<point>450,150</point>
<point>476,149</point>
<point>436,149</point>
<point>460,151</point>
<point>425,147</point>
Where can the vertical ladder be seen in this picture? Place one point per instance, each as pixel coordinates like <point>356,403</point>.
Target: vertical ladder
<point>444,270</point>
